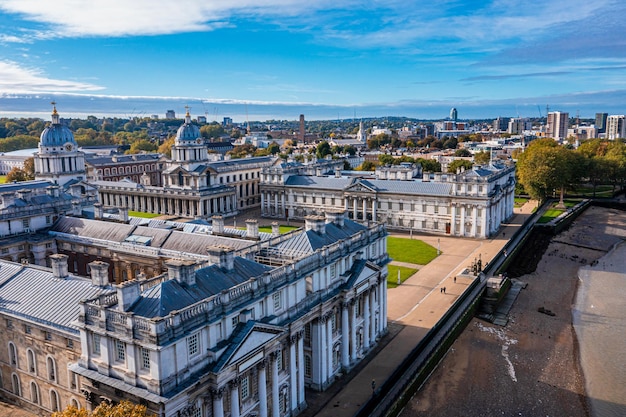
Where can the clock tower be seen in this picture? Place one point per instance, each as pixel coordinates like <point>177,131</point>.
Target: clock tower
<point>58,159</point>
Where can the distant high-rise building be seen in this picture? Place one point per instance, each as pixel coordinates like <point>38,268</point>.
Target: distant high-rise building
<point>616,127</point>
<point>227,121</point>
<point>557,125</point>
<point>301,135</point>
<point>517,125</point>
<point>453,114</point>
<point>201,119</point>
<point>170,114</point>
<point>601,122</point>
<point>500,124</point>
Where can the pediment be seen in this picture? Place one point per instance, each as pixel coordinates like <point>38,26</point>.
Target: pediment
<point>359,187</point>
<point>246,346</point>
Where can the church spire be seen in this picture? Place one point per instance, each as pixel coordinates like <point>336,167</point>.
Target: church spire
<point>55,114</point>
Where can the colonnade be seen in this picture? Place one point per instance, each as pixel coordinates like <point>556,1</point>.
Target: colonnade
<point>191,206</point>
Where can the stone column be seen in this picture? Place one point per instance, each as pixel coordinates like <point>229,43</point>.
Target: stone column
<point>323,347</point>
<point>345,332</point>
<point>462,224</point>
<point>374,207</point>
<point>283,205</point>
<point>262,383</point>
<point>263,212</point>
<point>354,205</point>
<point>301,367</point>
<point>373,315</point>
<point>353,345</point>
<point>329,344</point>
<point>275,395</point>
<point>366,320</point>
<point>293,372</point>
<point>218,402</point>
<point>474,220</point>
<point>364,209</point>
<point>453,220</point>
<point>234,398</point>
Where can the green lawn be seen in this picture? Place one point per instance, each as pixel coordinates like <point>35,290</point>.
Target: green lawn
<point>409,250</point>
<point>519,201</point>
<point>392,278</point>
<point>553,212</point>
<point>3,179</point>
<point>283,229</point>
<point>142,215</point>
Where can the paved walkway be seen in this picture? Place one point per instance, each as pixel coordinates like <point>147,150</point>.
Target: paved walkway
<point>417,305</point>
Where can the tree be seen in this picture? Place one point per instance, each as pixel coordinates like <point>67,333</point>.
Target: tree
<point>273,148</point>
<point>166,147</point>
<point>212,131</point>
<point>367,166</point>
<point>17,174</point>
<point>459,163</point>
<point>142,145</point>
<point>546,167</point>
<point>29,168</point>
<point>482,157</point>
<point>429,165</point>
<point>322,150</point>
<point>386,159</point>
<point>462,152</point>
<point>123,409</point>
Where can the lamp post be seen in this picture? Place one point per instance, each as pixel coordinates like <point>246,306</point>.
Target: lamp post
<point>438,246</point>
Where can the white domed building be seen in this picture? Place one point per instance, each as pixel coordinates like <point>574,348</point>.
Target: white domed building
<point>58,159</point>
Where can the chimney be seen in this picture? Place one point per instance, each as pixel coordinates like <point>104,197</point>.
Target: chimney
<point>336,218</point>
<point>275,229</point>
<point>217,224</point>
<point>8,199</point>
<point>425,177</point>
<point>181,270</point>
<point>24,194</point>
<point>318,171</point>
<point>59,265</point>
<point>123,212</point>
<point>99,273</point>
<point>53,191</point>
<point>252,229</point>
<point>337,173</point>
<point>77,210</point>
<point>98,211</point>
<point>315,223</point>
<point>145,179</point>
<point>127,293</point>
<point>222,256</point>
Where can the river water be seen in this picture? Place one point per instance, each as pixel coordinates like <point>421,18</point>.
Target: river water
<point>599,317</point>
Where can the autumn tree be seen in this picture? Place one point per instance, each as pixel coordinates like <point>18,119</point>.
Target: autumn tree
<point>482,157</point>
<point>141,146</point>
<point>123,409</point>
<point>322,150</point>
<point>459,163</point>
<point>166,147</point>
<point>462,152</point>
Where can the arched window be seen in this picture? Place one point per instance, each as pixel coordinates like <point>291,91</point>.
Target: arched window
<point>32,363</point>
<point>74,403</point>
<point>34,392</point>
<point>16,385</point>
<point>12,354</point>
<point>128,170</point>
<point>55,405</point>
<point>114,171</point>
<point>52,369</point>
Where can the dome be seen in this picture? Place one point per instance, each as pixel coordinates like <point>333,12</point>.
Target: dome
<point>56,134</point>
<point>188,132</point>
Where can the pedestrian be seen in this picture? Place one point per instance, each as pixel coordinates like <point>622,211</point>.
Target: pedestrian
<point>441,289</point>
<point>444,290</point>
<point>503,234</point>
<point>455,280</point>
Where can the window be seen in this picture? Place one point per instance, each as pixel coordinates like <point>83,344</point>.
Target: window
<point>279,359</point>
<point>401,206</point>
<point>333,323</point>
<point>277,301</point>
<point>120,350</point>
<point>5,250</point>
<point>9,324</point>
<point>12,354</point>
<point>234,321</point>
<point>95,344</point>
<point>333,271</point>
<point>34,392</point>
<point>32,368</point>
<point>52,369</point>
<point>48,335</point>
<point>16,385</point>
<point>245,387</point>
<point>73,380</point>
<point>25,223</point>
<point>145,358</point>
<point>48,219</point>
<point>54,401</point>
<point>389,205</point>
<point>307,366</point>
<point>193,344</point>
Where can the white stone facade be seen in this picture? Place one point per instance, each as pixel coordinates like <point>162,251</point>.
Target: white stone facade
<point>249,348</point>
<point>472,203</point>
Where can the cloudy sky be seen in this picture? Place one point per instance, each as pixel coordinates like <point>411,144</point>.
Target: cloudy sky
<point>513,56</point>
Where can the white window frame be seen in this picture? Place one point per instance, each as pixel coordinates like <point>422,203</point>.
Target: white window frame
<point>120,351</point>
<point>95,344</point>
<point>193,344</point>
<point>145,358</point>
<point>277,300</point>
<point>245,388</point>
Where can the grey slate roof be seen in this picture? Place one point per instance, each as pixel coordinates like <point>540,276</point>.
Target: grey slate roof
<point>171,295</point>
<point>35,294</point>
<point>310,241</point>
<point>410,187</point>
<point>198,243</point>
<point>330,183</point>
<point>96,229</point>
<point>28,185</point>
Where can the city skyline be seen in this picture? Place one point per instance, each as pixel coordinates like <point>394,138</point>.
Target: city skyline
<point>327,60</point>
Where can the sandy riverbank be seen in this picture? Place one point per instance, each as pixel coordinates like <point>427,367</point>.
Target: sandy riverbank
<point>530,367</point>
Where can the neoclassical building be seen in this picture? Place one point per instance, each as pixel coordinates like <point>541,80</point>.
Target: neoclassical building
<point>193,186</point>
<point>471,203</point>
<point>240,330</point>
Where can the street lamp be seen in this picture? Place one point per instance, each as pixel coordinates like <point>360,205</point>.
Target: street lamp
<point>438,246</point>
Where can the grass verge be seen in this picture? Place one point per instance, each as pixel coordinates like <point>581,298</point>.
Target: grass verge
<point>142,214</point>
<point>392,278</point>
<point>409,250</point>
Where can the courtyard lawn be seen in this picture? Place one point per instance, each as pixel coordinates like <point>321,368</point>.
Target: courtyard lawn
<point>282,228</point>
<point>520,201</point>
<point>3,179</point>
<point>411,251</point>
<point>392,278</point>
<point>142,214</point>
<point>553,212</point>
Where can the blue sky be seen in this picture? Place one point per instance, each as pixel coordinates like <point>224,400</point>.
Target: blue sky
<point>349,58</point>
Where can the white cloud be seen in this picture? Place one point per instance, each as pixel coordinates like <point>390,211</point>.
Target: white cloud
<point>17,79</point>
